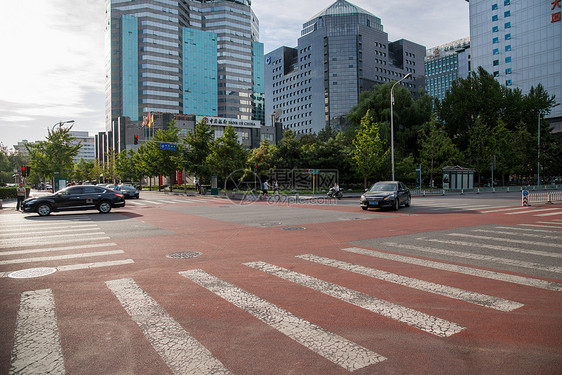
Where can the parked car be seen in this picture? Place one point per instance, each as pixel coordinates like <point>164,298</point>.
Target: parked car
<point>129,191</point>
<point>80,197</point>
<point>386,194</point>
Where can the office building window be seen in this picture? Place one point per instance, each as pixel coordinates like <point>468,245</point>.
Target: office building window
<point>496,51</point>
<point>495,29</point>
<point>494,6</point>
<point>506,2</point>
<point>495,17</point>
<point>508,71</point>
<point>507,25</point>
<point>508,82</point>
<point>496,62</point>
<point>508,48</point>
<point>495,40</point>
<point>508,59</point>
<point>496,73</point>
<point>507,14</point>
<point>508,36</point>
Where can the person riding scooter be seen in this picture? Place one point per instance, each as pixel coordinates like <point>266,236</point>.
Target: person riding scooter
<point>335,191</point>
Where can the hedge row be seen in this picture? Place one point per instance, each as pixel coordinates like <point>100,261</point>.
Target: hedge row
<point>11,193</point>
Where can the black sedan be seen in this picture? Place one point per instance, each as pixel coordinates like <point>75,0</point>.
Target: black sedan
<point>83,197</point>
<point>129,191</point>
<point>386,194</point>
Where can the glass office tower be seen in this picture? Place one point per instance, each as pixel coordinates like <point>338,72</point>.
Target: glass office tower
<point>183,57</point>
<point>519,42</point>
<point>342,51</point>
<point>444,64</point>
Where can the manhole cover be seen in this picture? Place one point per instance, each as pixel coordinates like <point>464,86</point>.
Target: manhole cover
<point>32,272</point>
<point>184,255</point>
<point>294,228</point>
<point>271,224</point>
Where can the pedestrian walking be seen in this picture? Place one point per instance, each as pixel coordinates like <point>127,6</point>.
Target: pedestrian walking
<point>20,192</point>
<point>265,188</point>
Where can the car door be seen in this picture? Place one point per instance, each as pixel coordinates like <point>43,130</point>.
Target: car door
<point>402,193</point>
<point>71,198</point>
<point>92,195</point>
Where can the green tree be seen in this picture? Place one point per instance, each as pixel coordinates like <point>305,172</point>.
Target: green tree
<point>370,154</point>
<point>436,149</point>
<point>479,152</point>
<point>227,155</point>
<point>288,153</point>
<point>163,162</point>
<point>262,157</point>
<point>196,149</point>
<point>54,157</point>
<point>128,166</point>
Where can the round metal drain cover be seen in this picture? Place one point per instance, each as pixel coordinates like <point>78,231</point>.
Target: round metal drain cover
<point>294,228</point>
<point>32,272</point>
<point>184,255</point>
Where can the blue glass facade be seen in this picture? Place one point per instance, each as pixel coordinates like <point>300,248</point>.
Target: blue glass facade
<point>200,72</point>
<point>258,100</point>
<point>519,43</point>
<point>129,66</point>
<point>445,64</point>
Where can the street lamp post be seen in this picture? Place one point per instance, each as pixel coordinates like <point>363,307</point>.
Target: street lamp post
<point>61,123</point>
<point>392,121</point>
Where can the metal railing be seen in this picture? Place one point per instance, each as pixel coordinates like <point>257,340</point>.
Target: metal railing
<point>496,189</point>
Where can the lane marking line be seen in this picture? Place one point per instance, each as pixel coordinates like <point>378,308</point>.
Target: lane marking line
<point>182,353</point>
<point>55,241</point>
<point>37,346</point>
<point>17,233</point>
<point>528,229</point>
<point>426,286</point>
<point>62,248</point>
<point>60,257</point>
<point>417,319</point>
<point>532,211</point>
<point>492,275</point>
<point>508,240</point>
<point>110,263</point>
<point>334,348</point>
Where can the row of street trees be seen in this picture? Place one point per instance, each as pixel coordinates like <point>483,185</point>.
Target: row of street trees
<point>478,122</point>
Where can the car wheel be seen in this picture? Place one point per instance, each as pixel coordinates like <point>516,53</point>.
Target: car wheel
<point>409,201</point>
<point>44,209</point>
<point>364,208</point>
<point>396,204</point>
<point>104,207</point>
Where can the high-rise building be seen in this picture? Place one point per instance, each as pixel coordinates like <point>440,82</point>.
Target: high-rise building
<point>341,52</point>
<point>444,64</point>
<point>191,57</point>
<point>87,151</point>
<point>519,42</point>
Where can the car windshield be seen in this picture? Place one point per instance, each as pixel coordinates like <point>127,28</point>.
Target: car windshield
<point>383,186</point>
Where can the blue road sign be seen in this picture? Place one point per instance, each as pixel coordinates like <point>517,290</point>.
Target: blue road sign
<point>168,146</point>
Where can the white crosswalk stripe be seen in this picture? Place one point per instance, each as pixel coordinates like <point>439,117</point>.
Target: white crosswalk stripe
<point>487,258</point>
<point>551,213</point>
<point>543,236</point>
<point>337,349</point>
<point>447,291</point>
<point>37,346</point>
<point>416,319</point>
<point>528,229</point>
<point>180,351</point>
<point>492,275</point>
<point>493,247</point>
<point>47,230</point>
<point>509,240</point>
<point>61,248</point>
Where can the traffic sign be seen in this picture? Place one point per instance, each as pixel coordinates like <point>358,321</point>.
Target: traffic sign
<point>168,146</point>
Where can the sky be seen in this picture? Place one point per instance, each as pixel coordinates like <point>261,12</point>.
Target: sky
<point>52,68</point>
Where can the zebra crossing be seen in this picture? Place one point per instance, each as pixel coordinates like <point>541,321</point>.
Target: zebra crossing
<point>184,353</point>
<point>82,239</point>
<point>156,201</point>
<point>437,206</point>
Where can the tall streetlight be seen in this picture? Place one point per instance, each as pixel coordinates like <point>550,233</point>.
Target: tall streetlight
<point>392,121</point>
<point>61,123</point>
<point>539,146</point>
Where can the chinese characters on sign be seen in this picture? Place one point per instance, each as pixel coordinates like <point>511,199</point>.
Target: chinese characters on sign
<point>555,17</point>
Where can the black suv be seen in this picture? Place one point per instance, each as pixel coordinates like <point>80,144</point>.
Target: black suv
<point>83,197</point>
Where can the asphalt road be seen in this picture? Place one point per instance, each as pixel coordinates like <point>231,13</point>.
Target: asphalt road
<point>202,285</point>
